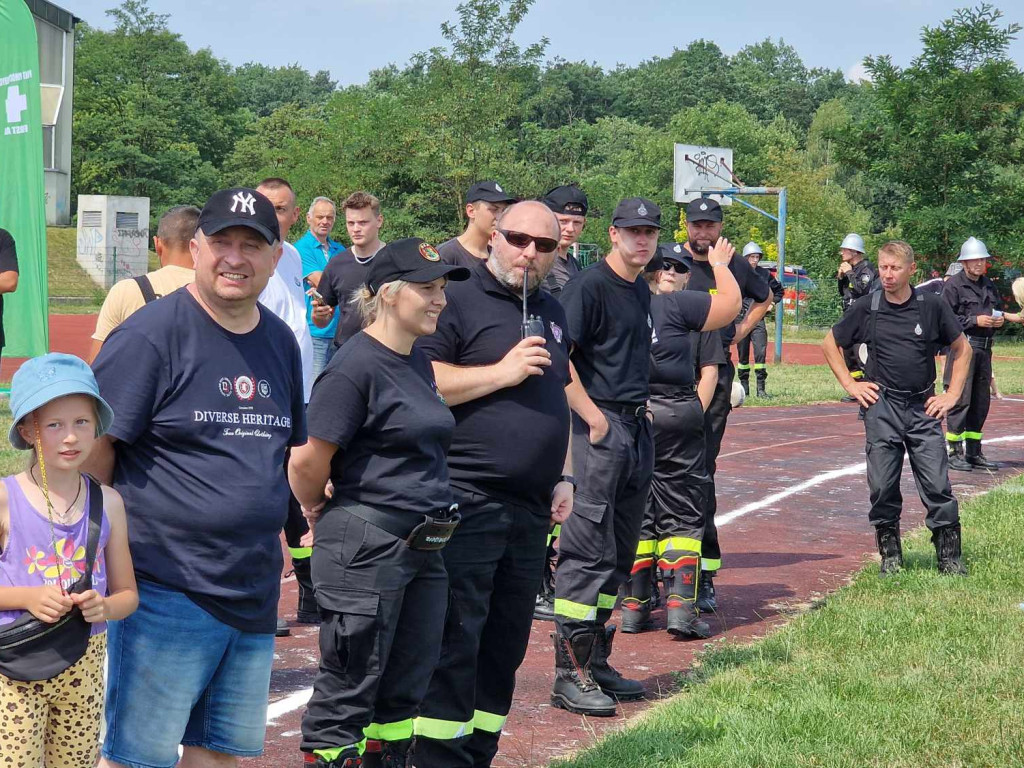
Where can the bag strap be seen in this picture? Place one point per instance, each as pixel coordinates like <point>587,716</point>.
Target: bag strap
<point>93,540</point>
<point>146,287</point>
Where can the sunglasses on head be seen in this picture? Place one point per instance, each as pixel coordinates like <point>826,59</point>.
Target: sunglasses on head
<point>522,240</point>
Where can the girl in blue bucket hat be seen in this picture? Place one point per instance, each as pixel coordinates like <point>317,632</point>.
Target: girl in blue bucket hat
<point>65,569</point>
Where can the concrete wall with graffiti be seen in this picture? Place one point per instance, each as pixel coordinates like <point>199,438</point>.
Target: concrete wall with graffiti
<point>113,237</point>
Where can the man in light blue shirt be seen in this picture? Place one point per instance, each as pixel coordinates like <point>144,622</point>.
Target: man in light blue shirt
<point>317,248</point>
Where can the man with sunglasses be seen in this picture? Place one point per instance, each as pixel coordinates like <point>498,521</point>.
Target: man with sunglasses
<point>609,313</point>
<point>703,228</point>
<point>511,473</point>
<point>485,201</point>
<point>570,206</point>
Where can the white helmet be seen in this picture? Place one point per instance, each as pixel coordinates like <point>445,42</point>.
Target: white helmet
<point>854,242</point>
<point>738,395</point>
<point>750,248</point>
<point>973,248</point>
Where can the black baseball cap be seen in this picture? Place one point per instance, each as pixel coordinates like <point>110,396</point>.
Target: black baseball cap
<point>567,199</point>
<point>240,207</point>
<point>636,212</point>
<point>703,209</point>
<point>489,192</point>
<point>413,260</point>
<point>666,253</point>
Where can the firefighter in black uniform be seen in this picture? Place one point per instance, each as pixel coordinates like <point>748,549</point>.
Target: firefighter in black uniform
<point>703,228</point>
<point>608,309</point>
<point>937,284</point>
<point>902,328</point>
<point>507,393</point>
<point>569,204</point>
<point>380,431</point>
<point>673,525</point>
<point>855,278</point>
<point>759,334</point>
<point>975,302</point>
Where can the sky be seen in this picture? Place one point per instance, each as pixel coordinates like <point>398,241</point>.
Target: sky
<point>350,38</point>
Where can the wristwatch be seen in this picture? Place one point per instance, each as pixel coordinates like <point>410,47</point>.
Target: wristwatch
<point>568,479</point>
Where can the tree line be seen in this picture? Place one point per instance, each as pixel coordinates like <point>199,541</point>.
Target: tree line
<point>932,152</point>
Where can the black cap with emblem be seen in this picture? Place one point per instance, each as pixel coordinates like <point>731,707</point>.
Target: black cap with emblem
<point>240,207</point>
<point>636,212</point>
<point>668,253</point>
<point>567,199</point>
<point>413,260</point>
<point>703,209</point>
<point>489,192</point>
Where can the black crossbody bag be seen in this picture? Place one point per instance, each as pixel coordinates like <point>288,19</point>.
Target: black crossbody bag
<point>31,649</point>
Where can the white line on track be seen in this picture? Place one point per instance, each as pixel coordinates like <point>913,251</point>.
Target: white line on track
<point>294,701</point>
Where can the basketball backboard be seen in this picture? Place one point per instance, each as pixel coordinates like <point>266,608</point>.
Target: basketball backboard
<point>702,169</point>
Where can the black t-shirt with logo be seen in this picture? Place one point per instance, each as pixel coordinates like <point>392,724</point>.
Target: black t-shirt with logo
<point>908,336</point>
<point>610,333</point>
<point>8,263</point>
<point>752,285</point>
<point>342,276</point>
<point>202,420</point>
<point>675,315</point>
<point>512,442</point>
<point>454,252</point>
<point>391,426</point>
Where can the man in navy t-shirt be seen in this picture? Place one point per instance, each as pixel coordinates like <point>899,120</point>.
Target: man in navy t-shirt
<point>207,391</point>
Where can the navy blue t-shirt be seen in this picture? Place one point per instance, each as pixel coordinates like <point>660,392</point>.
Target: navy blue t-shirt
<point>392,427</point>
<point>202,420</point>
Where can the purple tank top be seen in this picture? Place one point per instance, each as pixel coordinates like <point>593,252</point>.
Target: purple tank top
<point>28,558</point>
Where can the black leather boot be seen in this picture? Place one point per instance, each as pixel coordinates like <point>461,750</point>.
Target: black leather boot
<point>947,549</point>
<point>544,609</point>
<point>575,689</point>
<point>307,611</point>
<point>956,457</point>
<point>889,547</point>
<point>706,600</point>
<point>394,754</point>
<point>349,759</point>
<point>610,680</point>
<point>680,601</point>
<point>745,382</point>
<point>636,605</point>
<point>975,457</point>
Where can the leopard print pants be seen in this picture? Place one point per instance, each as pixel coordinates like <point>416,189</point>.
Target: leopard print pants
<point>56,719</point>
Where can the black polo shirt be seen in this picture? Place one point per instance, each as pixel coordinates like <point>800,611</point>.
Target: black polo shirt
<point>908,336</point>
<point>610,334</point>
<point>675,315</point>
<point>511,443</point>
<point>454,252</point>
<point>752,285</point>
<point>343,275</point>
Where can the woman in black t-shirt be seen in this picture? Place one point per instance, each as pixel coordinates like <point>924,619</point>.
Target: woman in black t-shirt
<point>379,430</point>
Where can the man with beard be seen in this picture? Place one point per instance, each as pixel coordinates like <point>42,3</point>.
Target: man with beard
<point>703,228</point>
<point>485,201</point>
<point>609,313</point>
<point>512,476</point>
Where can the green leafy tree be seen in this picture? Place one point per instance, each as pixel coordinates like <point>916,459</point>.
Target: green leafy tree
<point>263,89</point>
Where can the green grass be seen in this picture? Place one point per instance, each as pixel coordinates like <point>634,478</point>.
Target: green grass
<point>11,460</point>
<point>914,670</point>
<point>67,280</point>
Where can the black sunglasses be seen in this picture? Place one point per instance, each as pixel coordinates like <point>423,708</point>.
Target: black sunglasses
<point>522,240</point>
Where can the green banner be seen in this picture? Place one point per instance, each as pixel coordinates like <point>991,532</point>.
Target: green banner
<point>22,193</point>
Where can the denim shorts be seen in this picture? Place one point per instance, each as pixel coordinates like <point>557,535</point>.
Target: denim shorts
<point>176,675</point>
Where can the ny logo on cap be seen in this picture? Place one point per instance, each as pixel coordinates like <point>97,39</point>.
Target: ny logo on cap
<point>642,210</point>
<point>247,200</point>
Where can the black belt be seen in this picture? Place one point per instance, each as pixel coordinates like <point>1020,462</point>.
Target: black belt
<point>906,394</point>
<point>980,342</point>
<point>684,391</point>
<point>419,532</point>
<point>636,410</point>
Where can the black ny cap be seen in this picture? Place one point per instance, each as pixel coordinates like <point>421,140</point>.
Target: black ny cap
<point>636,212</point>
<point>489,192</point>
<point>567,199</point>
<point>413,260</point>
<point>703,209</point>
<point>240,207</point>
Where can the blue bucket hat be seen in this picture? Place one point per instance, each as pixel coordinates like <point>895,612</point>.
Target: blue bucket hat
<point>44,379</point>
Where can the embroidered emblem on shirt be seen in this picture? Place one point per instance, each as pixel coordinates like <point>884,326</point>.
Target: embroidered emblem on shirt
<point>917,329</point>
<point>556,331</point>
<point>244,388</point>
<point>263,387</point>
<point>225,386</point>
